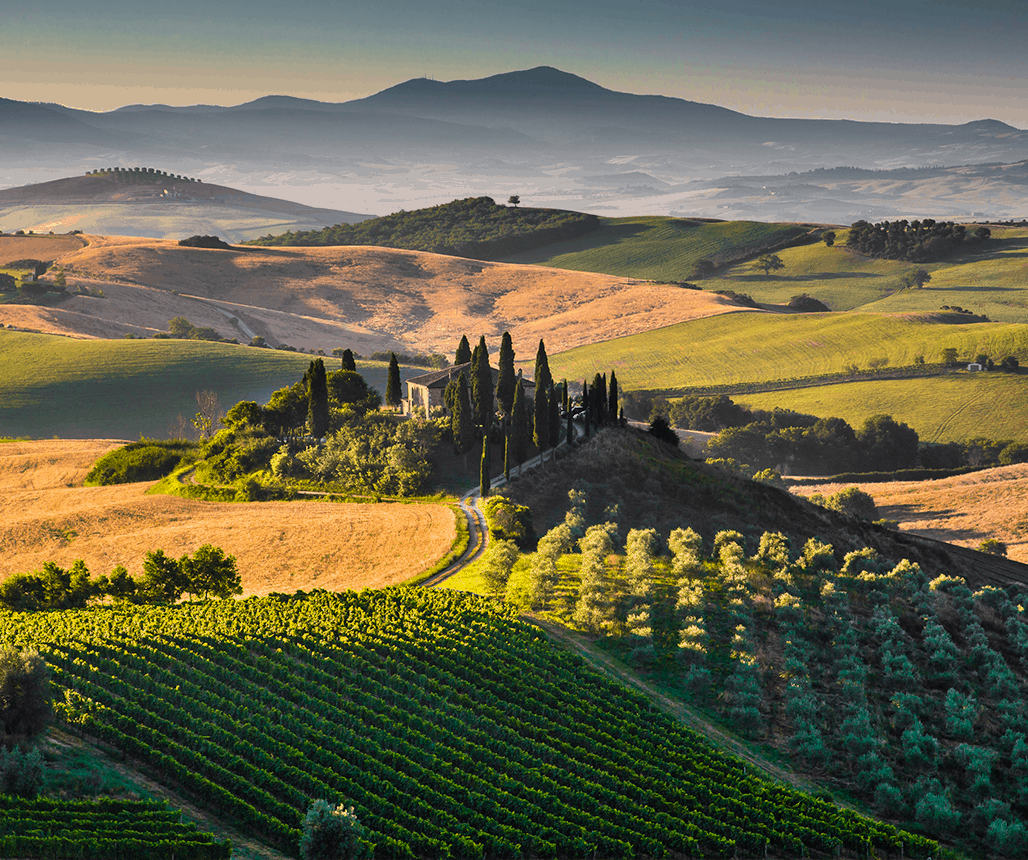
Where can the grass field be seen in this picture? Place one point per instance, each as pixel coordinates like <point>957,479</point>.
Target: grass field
<point>753,346</point>
<point>660,249</point>
<point>955,407</point>
<point>46,514</point>
<point>122,389</point>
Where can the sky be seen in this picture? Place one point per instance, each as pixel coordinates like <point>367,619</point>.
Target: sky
<point>892,60</point>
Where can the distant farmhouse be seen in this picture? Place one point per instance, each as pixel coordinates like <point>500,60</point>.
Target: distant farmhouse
<point>425,392</point>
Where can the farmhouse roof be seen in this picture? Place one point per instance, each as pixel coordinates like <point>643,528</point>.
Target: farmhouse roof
<point>441,378</point>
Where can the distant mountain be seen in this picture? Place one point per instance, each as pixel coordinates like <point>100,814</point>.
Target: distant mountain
<point>155,204</point>
<point>555,138</point>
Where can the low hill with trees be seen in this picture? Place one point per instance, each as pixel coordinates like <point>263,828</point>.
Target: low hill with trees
<point>475,227</point>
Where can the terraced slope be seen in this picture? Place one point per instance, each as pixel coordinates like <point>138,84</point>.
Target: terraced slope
<point>453,729</point>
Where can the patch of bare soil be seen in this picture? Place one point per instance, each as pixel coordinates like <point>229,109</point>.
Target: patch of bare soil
<point>963,510</point>
<point>363,297</point>
<point>45,514</point>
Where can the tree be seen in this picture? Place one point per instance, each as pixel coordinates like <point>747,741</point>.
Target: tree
<point>348,361</point>
<point>703,268</point>
<point>541,430</point>
<point>485,467</point>
<point>317,399</point>
<point>916,279</point>
<point>462,420</point>
<point>180,327</point>
<point>992,546</point>
<point>553,416</point>
<point>482,387</point>
<point>392,397</point>
<point>463,354</point>
<point>507,379</point>
<point>519,424</point>
<point>769,263</point>
<point>332,833</point>
<point>586,406</point>
<point>950,356</point>
<point>59,279</point>
<point>543,377</point>
<point>612,400</point>
<point>210,573</point>
<point>210,413</point>
<point>162,578</point>
<point>886,444</point>
<point>598,399</point>
<point>828,237</point>
<point>514,200</point>
<point>25,699</point>
<point>660,429</point>
<point>259,341</point>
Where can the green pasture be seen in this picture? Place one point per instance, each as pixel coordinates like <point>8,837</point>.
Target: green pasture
<point>123,389</point>
<point>751,346</point>
<point>659,248</point>
<point>955,407</point>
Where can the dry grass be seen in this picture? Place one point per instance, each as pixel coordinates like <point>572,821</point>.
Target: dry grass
<point>364,297</point>
<point>38,247</point>
<point>964,510</point>
<point>45,514</point>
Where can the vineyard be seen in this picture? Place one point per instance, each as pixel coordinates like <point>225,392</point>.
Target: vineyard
<point>111,829</point>
<point>452,728</point>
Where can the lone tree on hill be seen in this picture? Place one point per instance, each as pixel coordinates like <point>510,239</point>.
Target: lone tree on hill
<point>514,200</point>
<point>463,354</point>
<point>769,263</point>
<point>507,379</point>
<point>916,279</point>
<point>392,397</point>
<point>828,237</point>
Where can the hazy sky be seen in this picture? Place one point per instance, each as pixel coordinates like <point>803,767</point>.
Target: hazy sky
<point>896,60</point>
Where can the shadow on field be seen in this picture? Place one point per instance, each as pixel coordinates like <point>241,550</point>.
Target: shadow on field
<point>906,513</point>
<point>972,289</point>
<point>813,276</point>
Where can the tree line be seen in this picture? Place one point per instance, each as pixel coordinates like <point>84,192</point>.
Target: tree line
<point>915,241</point>
<point>473,227</point>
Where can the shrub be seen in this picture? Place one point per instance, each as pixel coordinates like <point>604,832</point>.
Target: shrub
<point>146,460</point>
<point>21,773</point>
<point>993,547</point>
<point>25,702</point>
<point>205,242</point>
<point>332,833</point>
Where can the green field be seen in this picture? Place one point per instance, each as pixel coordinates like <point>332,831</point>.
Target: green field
<point>121,389</point>
<point>952,408</point>
<point>657,248</point>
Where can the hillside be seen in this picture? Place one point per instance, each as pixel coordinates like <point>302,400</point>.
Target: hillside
<point>47,515</point>
<point>367,299</point>
<point>452,728</point>
<point>154,204</point>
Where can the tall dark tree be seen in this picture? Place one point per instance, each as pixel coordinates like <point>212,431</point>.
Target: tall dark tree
<point>317,399</point>
<point>485,467</point>
<point>553,416</point>
<point>541,430</point>
<point>586,407</point>
<point>507,378</point>
<point>543,377</point>
<point>598,399</point>
<point>348,360</point>
<point>565,398</point>
<point>519,424</point>
<point>462,422</point>
<point>612,400</point>
<point>463,354</point>
<point>508,454</point>
<point>570,434</point>
<point>482,387</point>
<point>393,382</point>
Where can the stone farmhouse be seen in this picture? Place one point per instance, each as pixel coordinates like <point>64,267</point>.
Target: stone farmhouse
<point>425,392</point>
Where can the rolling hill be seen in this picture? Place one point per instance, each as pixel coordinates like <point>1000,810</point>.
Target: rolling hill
<point>154,204</point>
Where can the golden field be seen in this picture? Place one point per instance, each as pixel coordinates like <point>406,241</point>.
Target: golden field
<point>46,514</point>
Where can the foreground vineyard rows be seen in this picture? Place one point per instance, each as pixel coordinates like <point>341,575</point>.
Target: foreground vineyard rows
<point>454,729</point>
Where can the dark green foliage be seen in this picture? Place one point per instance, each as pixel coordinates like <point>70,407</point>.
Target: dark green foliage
<point>392,392</point>
<point>349,387</point>
<point>21,773</point>
<point>743,299</point>
<point>26,707</point>
<point>473,227</point>
<point>916,279</point>
<point>52,587</point>
<point>553,417</point>
<point>542,378</point>
<point>508,520</point>
<point>915,241</point>
<point>417,359</point>
<point>482,387</point>
<point>182,329</point>
<point>768,263</point>
<point>485,467</point>
<point>209,573</point>
<point>828,237</point>
<point>462,419</point>
<point>598,400</point>
<point>317,399</point>
<point>541,422</point>
<point>162,581</point>
<point>887,444</point>
<point>332,833</point>
<point>463,353</point>
<point>807,304</point>
<point>519,434</point>
<point>348,362</point>
<point>710,414</point>
<point>992,546</point>
<point>612,400</point>
<point>145,460</point>
<point>205,242</point>
<point>507,379</point>
<point>660,429</point>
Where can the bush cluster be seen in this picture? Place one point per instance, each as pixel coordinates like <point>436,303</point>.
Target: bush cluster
<point>916,241</point>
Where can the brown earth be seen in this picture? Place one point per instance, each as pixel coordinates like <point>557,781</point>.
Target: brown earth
<point>963,510</point>
<point>366,298</point>
<point>45,248</point>
<point>45,514</point>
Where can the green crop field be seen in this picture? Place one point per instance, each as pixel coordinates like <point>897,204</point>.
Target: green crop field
<point>121,389</point>
<point>952,408</point>
<point>658,248</point>
<point>754,347</point>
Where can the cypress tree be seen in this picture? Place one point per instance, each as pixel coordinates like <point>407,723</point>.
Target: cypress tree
<point>507,379</point>
<point>612,399</point>
<point>348,360</point>
<point>570,437</point>
<point>553,416</point>
<point>462,423</point>
<point>392,397</point>
<point>317,399</point>
<point>586,406</point>
<point>598,399</point>
<point>543,378</point>
<point>541,431</point>
<point>565,399</point>
<point>518,440</point>
<point>482,386</point>
<point>485,467</point>
<point>463,354</point>
<point>508,455</point>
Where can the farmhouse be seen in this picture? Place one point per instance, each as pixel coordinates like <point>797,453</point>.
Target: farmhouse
<point>425,392</point>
